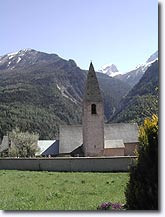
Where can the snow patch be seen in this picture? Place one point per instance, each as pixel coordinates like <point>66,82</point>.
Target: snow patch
<point>113,74</point>
<point>19,59</point>
<point>10,57</point>
<point>11,54</point>
<point>27,49</point>
<point>9,63</point>
<point>58,87</point>
<point>145,66</point>
<point>63,92</point>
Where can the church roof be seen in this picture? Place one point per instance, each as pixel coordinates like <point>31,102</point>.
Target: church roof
<point>128,132</point>
<point>70,138</point>
<point>48,147</point>
<point>92,90</point>
<point>52,150</point>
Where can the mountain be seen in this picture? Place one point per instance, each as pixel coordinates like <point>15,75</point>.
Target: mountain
<point>25,58</point>
<point>132,77</point>
<point>110,70</point>
<point>39,91</point>
<point>142,100</point>
<point>112,92</point>
<point>153,57</point>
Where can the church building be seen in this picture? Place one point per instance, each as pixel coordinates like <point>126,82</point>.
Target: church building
<point>93,137</point>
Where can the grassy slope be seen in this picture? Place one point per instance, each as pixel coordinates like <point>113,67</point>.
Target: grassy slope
<point>25,190</point>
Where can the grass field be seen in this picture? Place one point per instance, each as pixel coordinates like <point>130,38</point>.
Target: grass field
<point>25,190</point>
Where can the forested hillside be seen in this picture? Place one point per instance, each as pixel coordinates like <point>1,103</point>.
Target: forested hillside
<point>40,91</point>
<point>142,101</point>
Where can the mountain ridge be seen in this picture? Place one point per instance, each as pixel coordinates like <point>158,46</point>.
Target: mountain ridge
<point>110,70</point>
<point>142,100</point>
<point>42,90</point>
<point>132,77</point>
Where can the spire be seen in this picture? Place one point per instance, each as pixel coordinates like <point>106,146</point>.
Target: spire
<point>92,90</point>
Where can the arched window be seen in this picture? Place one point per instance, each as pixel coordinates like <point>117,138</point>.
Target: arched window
<point>93,109</point>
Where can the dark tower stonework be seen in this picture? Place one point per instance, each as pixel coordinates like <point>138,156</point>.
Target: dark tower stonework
<point>93,116</point>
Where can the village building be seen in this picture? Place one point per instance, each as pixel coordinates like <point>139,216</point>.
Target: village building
<point>93,138</point>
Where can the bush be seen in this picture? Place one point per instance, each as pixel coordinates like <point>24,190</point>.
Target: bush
<point>23,144</point>
<point>142,189</point>
<point>110,206</point>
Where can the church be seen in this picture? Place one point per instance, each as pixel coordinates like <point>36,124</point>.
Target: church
<point>93,138</point>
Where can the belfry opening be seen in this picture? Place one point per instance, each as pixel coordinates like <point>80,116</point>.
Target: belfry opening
<point>93,109</point>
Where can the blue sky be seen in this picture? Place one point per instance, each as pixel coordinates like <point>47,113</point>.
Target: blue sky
<point>123,32</point>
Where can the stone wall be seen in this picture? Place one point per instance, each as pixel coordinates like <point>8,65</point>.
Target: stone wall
<point>81,164</point>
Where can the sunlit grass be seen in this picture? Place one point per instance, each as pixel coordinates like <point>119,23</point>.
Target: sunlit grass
<point>25,190</point>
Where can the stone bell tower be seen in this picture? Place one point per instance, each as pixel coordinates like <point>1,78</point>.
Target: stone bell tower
<point>93,116</point>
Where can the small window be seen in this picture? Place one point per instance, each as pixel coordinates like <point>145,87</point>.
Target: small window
<point>93,109</point>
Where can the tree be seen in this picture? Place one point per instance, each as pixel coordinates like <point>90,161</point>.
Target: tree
<point>23,144</point>
<point>142,189</point>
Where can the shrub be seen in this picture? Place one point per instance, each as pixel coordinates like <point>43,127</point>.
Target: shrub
<point>23,144</point>
<point>142,189</point>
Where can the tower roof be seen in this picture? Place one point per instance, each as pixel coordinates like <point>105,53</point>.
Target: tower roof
<point>92,90</point>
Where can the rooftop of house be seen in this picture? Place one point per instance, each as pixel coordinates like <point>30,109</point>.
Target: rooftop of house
<point>48,147</point>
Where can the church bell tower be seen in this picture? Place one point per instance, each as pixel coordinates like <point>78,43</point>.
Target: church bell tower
<point>93,116</point>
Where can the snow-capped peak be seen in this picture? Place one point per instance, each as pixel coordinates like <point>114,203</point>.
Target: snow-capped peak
<point>27,49</point>
<point>109,69</point>
<point>21,52</point>
<point>18,53</point>
<point>150,60</point>
<point>19,58</point>
<point>11,55</point>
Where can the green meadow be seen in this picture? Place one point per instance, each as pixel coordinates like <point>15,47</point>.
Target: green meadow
<point>28,190</point>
